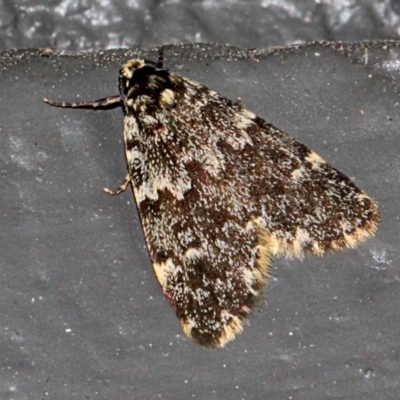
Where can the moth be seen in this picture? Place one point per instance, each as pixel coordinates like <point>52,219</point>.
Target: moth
<point>220,193</point>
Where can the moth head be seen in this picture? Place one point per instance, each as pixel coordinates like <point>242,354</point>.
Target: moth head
<point>144,86</point>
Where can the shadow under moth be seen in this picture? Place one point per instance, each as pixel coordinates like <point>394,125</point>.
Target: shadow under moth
<point>220,192</point>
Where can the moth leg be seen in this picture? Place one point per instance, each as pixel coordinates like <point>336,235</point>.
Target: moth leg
<point>122,188</point>
<point>239,102</point>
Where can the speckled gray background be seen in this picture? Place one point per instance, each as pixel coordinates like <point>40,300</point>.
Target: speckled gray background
<point>82,315</point>
<point>99,25</point>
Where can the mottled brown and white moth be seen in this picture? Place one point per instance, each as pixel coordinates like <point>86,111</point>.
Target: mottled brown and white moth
<point>220,192</point>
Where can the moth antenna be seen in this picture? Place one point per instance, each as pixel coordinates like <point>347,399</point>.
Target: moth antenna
<point>160,62</point>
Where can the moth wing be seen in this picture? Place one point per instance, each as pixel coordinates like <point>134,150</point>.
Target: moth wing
<point>299,201</point>
<point>219,192</point>
<point>206,259</point>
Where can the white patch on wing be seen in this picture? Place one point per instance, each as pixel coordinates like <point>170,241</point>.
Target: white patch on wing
<point>315,160</point>
<point>192,254</point>
<point>166,270</point>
